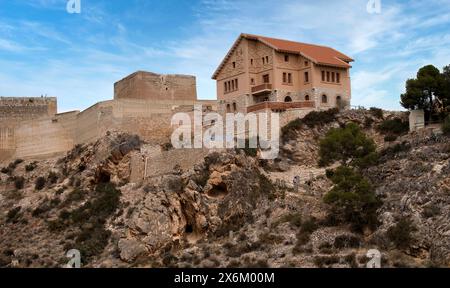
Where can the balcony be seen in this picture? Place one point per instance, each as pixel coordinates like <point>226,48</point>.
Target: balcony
<point>281,106</point>
<point>262,89</point>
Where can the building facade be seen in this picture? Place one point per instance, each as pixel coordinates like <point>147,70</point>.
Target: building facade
<point>265,73</point>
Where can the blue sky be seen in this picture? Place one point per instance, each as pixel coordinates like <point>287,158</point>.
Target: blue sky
<point>78,57</point>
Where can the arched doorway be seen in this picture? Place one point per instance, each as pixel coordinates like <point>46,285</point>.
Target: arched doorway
<point>288,99</point>
<point>307,98</point>
<point>324,99</point>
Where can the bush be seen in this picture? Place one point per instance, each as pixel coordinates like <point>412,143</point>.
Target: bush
<point>353,199</point>
<point>347,241</point>
<point>91,218</point>
<point>400,234</point>
<point>390,138</point>
<point>319,118</point>
<point>30,167</point>
<point>313,119</point>
<point>13,214</point>
<point>52,177</point>
<point>394,126</point>
<point>304,235</point>
<point>19,182</point>
<point>347,145</point>
<point>446,126</point>
<point>377,112</point>
<point>396,149</point>
<point>40,183</point>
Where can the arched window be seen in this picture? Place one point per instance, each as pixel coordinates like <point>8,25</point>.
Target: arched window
<point>228,108</point>
<point>307,98</point>
<point>324,98</point>
<point>288,99</point>
<point>234,106</point>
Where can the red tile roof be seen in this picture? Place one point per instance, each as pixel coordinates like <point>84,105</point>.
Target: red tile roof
<point>321,55</point>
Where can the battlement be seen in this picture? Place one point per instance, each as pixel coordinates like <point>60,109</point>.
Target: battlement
<point>27,108</point>
<point>151,86</point>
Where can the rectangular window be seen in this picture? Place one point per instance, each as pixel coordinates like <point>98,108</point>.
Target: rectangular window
<point>263,60</point>
<point>328,76</point>
<point>306,77</point>
<point>332,77</point>
<point>237,84</point>
<point>234,64</point>
<point>323,76</point>
<point>232,85</point>
<point>252,81</point>
<point>338,78</point>
<point>266,78</point>
<point>225,87</point>
<point>289,78</point>
<point>251,62</point>
<point>286,58</point>
<point>306,63</point>
<point>267,59</point>
<point>284,78</point>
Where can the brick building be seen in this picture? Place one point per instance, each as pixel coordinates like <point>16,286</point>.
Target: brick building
<point>265,73</point>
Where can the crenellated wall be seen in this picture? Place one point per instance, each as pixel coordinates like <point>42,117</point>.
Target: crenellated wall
<point>14,111</point>
<point>45,135</point>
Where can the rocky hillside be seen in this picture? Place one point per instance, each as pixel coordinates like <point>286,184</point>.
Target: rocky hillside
<point>229,210</point>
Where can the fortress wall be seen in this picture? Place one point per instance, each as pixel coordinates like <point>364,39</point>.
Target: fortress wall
<point>12,108</point>
<point>151,86</point>
<point>13,111</point>
<point>59,133</point>
<point>42,137</point>
<point>93,122</point>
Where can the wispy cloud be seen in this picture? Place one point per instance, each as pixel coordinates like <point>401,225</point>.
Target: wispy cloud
<point>78,57</point>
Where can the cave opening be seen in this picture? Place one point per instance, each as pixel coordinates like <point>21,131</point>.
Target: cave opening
<point>218,191</point>
<point>189,229</point>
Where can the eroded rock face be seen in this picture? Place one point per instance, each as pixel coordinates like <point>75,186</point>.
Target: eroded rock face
<point>226,211</point>
<point>219,197</point>
<point>130,249</point>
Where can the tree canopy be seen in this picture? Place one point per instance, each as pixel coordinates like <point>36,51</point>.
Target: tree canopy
<point>349,145</point>
<point>429,90</point>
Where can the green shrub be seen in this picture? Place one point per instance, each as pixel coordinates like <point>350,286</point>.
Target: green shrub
<point>30,167</point>
<point>13,214</point>
<point>348,145</point>
<point>347,241</point>
<point>368,122</point>
<point>322,261</point>
<point>40,183</point>
<point>390,138</point>
<point>313,119</point>
<point>446,126</point>
<point>400,233</point>
<point>90,219</point>
<point>304,234</point>
<point>6,170</point>
<point>19,182</point>
<point>352,199</point>
<point>52,177</point>
<point>377,112</point>
<point>319,118</point>
<point>396,149</point>
<point>394,126</point>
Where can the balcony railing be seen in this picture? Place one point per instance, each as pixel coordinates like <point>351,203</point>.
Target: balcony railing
<point>261,89</point>
<point>280,106</point>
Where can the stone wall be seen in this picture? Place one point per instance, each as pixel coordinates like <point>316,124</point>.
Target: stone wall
<point>151,86</point>
<point>151,120</point>
<point>14,111</point>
